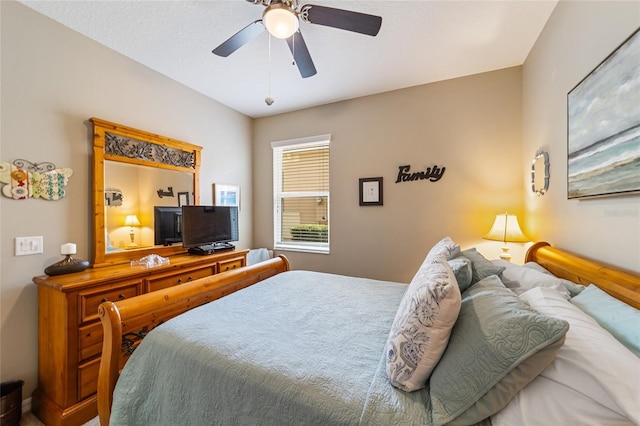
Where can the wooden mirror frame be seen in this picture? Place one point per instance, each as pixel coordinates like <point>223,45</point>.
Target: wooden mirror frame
<point>183,156</point>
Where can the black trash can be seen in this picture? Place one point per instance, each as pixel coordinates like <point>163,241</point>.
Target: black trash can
<point>11,403</point>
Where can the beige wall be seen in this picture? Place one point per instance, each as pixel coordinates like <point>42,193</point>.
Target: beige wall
<point>470,125</point>
<point>53,80</point>
<point>577,38</point>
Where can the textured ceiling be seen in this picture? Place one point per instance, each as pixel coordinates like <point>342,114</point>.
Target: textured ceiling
<point>419,42</point>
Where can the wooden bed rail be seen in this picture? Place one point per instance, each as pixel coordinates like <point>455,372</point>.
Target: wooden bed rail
<point>126,322</point>
<point>620,283</point>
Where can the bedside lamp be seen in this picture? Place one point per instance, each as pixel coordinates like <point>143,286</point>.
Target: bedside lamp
<point>506,229</point>
<point>132,220</point>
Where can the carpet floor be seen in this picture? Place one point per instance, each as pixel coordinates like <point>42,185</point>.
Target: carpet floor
<point>28,419</point>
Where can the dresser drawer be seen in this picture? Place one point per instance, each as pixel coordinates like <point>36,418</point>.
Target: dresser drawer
<point>153,284</point>
<point>230,265</point>
<point>88,378</point>
<point>91,299</point>
<point>89,341</point>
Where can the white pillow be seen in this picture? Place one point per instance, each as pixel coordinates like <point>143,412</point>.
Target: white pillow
<point>445,246</point>
<point>570,285</point>
<point>519,279</point>
<point>594,379</point>
<point>422,325</point>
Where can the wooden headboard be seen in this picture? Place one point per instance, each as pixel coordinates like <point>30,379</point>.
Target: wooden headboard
<point>620,283</point>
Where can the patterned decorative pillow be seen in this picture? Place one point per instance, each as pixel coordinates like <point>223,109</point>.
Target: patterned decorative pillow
<point>497,346</point>
<point>422,325</point>
<point>445,246</point>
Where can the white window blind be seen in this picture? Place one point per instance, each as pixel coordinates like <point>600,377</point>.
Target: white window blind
<point>301,194</point>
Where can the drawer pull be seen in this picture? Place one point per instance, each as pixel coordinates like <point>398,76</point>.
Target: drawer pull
<point>190,278</point>
<point>179,280</point>
<point>120,297</point>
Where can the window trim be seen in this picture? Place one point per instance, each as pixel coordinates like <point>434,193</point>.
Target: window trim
<point>278,244</point>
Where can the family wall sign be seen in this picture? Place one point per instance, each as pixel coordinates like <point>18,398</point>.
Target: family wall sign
<point>432,174</point>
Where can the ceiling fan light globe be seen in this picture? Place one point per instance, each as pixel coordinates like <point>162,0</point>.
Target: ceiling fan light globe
<point>280,21</point>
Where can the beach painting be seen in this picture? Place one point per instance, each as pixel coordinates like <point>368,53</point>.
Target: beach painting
<point>604,126</point>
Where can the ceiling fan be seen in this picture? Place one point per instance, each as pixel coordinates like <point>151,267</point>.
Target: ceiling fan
<point>281,19</point>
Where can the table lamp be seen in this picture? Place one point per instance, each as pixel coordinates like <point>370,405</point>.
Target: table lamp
<point>506,229</point>
<point>132,220</point>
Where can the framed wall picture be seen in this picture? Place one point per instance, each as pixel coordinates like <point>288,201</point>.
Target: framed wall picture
<point>371,191</point>
<point>603,135</point>
<point>226,195</point>
<point>183,199</point>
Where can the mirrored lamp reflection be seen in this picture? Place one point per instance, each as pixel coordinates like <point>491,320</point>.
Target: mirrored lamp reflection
<point>506,229</point>
<point>132,220</point>
<point>280,20</point>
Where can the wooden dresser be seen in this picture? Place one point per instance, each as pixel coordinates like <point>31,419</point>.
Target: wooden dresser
<point>70,333</point>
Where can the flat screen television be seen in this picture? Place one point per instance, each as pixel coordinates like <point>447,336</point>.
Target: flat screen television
<point>167,224</point>
<point>205,225</point>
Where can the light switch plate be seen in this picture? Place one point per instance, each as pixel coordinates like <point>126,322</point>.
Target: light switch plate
<point>29,245</point>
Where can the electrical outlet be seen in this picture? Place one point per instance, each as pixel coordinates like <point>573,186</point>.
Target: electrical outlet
<point>29,245</point>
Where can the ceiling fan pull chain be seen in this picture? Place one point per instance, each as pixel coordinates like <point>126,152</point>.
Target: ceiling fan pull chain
<point>269,100</point>
<point>293,40</point>
<point>293,49</point>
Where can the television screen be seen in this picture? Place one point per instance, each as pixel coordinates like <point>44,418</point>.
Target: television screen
<point>202,225</point>
<point>167,224</point>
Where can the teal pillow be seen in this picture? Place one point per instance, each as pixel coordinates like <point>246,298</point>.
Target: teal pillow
<point>497,346</point>
<point>461,267</point>
<point>615,316</point>
<point>481,267</point>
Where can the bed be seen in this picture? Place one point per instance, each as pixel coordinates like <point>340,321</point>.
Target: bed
<point>297,347</point>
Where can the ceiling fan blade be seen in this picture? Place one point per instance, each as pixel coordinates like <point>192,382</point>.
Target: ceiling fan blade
<point>301,55</point>
<point>240,38</point>
<point>343,19</point>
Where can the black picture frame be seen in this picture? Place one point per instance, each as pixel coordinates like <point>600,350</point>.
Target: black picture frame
<point>371,191</point>
<point>183,199</point>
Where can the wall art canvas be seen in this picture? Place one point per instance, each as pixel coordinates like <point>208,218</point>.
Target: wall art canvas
<point>604,126</point>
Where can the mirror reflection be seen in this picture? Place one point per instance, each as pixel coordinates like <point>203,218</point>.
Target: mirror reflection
<point>141,189</point>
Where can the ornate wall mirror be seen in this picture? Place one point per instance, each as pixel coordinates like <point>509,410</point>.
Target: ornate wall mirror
<point>540,173</point>
<point>141,165</point>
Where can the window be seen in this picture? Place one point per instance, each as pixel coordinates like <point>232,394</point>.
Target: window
<point>301,194</point>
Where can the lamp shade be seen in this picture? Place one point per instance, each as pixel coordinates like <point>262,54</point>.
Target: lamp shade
<point>280,20</point>
<point>506,229</point>
<point>132,220</point>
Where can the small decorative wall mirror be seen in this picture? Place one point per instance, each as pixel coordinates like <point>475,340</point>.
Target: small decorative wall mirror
<point>540,173</point>
<point>113,197</point>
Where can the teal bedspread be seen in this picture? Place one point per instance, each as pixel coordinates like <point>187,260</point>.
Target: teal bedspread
<point>300,348</point>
